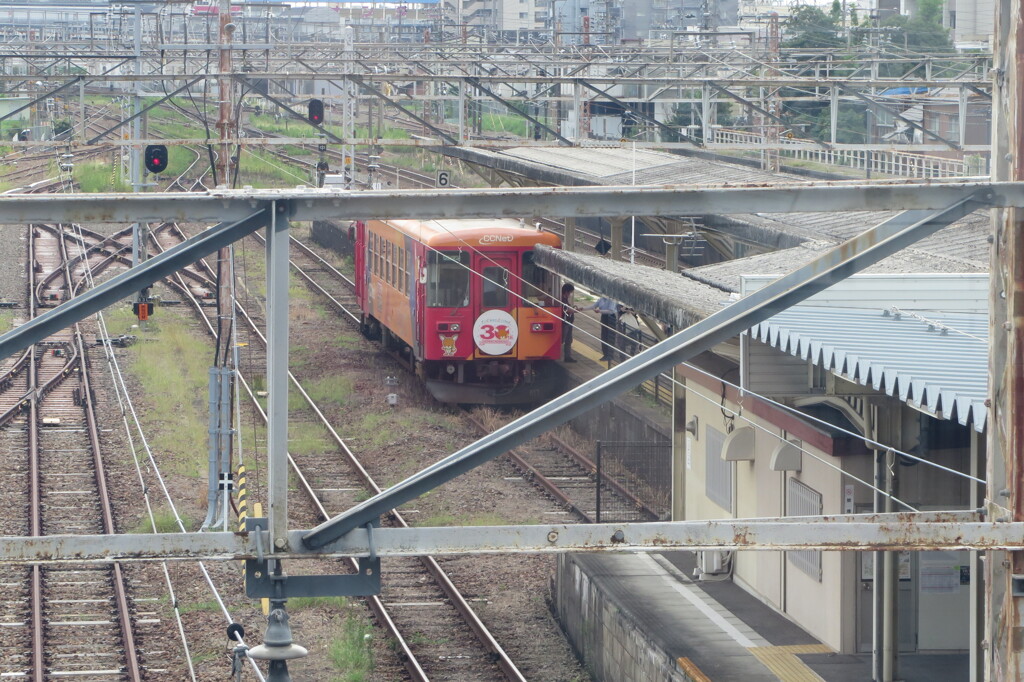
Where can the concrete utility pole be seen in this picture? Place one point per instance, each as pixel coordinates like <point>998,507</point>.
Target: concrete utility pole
<point>1004,572</point>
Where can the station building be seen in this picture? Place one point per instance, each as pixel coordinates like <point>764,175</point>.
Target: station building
<point>878,381</point>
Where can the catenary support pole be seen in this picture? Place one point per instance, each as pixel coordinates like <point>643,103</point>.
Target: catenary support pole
<point>277,376</point>
<point>1005,473</point>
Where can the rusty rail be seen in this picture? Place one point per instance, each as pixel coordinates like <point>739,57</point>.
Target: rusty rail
<point>409,660</point>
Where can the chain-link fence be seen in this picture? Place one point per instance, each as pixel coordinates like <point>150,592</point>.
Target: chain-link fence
<point>636,480</point>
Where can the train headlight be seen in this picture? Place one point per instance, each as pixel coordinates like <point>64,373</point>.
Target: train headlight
<point>455,327</point>
<point>535,327</point>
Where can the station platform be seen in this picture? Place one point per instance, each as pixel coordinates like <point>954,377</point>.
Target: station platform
<point>704,631</point>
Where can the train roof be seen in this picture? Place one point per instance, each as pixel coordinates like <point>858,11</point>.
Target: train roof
<point>475,232</point>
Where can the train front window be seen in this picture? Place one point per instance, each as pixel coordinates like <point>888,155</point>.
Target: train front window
<point>495,287</point>
<point>537,287</point>
<point>447,279</point>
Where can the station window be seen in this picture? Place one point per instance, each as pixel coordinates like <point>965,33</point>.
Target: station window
<point>537,282</point>
<point>447,279</point>
<point>804,501</point>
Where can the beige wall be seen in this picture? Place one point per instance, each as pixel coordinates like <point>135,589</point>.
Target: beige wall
<point>758,491</point>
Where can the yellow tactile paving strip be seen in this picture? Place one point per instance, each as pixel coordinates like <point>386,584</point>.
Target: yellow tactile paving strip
<point>782,661</point>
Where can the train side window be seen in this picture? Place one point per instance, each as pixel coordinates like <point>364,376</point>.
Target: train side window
<point>401,270</point>
<point>393,263</point>
<point>537,282</point>
<point>374,254</point>
<point>447,279</point>
<point>387,262</point>
<point>495,287</point>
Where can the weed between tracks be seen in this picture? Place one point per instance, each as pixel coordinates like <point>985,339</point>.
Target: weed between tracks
<point>95,176</point>
<point>350,647</point>
<point>164,522</point>
<point>172,361</point>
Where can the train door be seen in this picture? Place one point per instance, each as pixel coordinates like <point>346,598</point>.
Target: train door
<point>495,330</point>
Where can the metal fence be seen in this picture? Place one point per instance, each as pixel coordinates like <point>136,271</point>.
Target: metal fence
<point>882,161</point>
<point>644,470</point>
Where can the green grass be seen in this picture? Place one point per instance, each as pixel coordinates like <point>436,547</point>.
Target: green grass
<point>210,605</point>
<point>376,428</point>
<point>164,521</point>
<point>306,438</point>
<point>351,653</point>
<point>260,169</point>
<point>172,362</point>
<point>506,124</point>
<point>327,391</point>
<point>6,320</point>
<point>182,131</point>
<point>178,159</point>
<point>386,134</point>
<point>337,603</point>
<point>98,176</point>
<point>204,657</point>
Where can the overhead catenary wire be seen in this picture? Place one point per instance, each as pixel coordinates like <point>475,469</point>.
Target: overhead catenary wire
<point>127,408</point>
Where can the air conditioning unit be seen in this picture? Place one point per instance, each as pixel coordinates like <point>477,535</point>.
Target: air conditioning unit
<point>712,563</point>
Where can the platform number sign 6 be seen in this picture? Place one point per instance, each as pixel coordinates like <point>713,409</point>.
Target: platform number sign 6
<point>444,179</point>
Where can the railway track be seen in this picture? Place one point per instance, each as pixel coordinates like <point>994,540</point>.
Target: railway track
<point>563,472</point>
<point>437,634</point>
<point>69,620</point>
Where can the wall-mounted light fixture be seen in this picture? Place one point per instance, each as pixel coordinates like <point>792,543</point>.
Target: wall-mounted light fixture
<point>691,427</point>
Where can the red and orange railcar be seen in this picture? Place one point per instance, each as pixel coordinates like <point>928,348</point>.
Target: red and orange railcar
<point>464,302</point>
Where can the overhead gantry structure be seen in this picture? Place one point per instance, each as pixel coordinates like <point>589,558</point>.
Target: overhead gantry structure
<point>268,542</point>
<point>537,83</point>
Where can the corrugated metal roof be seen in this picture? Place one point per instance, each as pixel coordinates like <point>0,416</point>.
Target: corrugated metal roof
<point>944,373</point>
<point>726,275</point>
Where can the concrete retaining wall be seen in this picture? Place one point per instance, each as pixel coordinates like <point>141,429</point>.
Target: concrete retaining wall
<point>611,644</point>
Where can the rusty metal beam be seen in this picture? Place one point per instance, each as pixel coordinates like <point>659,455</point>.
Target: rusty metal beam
<point>951,530</point>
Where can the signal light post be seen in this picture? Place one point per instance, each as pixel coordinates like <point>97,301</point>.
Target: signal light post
<point>156,158</point>
<point>316,111</point>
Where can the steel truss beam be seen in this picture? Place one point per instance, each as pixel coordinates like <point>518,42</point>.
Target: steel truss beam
<point>147,108</point>
<point>394,103</point>
<point>853,256</point>
<point>222,205</point>
<point>859,532</point>
<point>244,80</point>
<point>895,114</point>
<point>475,82</point>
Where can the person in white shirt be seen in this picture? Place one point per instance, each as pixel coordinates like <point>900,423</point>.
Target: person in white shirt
<point>608,310</point>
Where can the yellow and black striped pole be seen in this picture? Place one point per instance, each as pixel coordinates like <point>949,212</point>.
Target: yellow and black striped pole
<point>243,503</point>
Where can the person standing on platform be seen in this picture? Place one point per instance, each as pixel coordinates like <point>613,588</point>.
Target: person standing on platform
<point>608,310</point>
<point>568,315</point>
